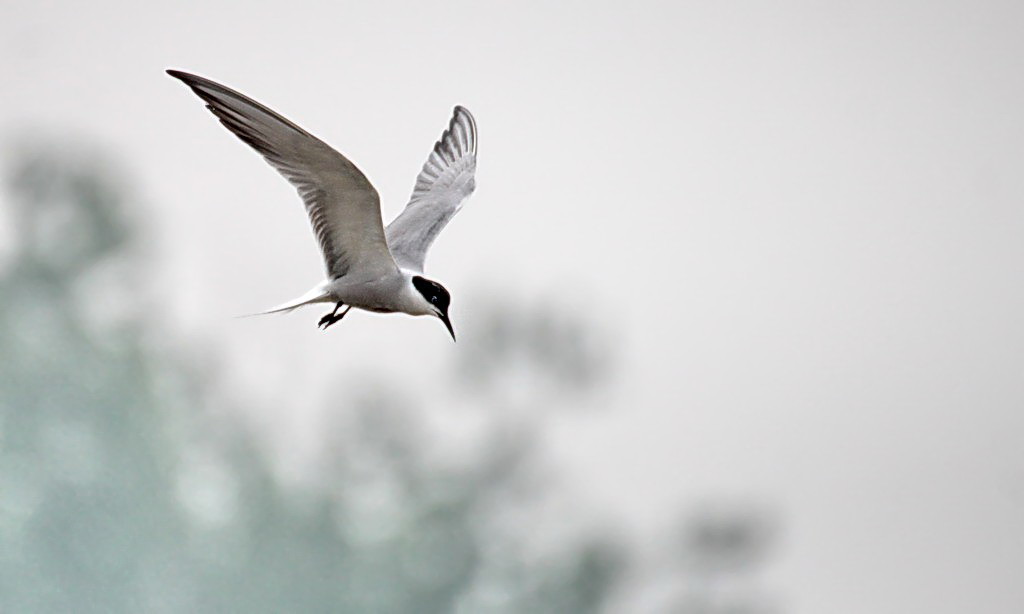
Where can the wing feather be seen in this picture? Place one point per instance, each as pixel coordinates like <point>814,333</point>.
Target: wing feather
<point>445,182</point>
<point>343,206</point>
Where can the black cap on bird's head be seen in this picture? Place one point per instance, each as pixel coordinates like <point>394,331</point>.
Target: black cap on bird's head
<point>438,297</point>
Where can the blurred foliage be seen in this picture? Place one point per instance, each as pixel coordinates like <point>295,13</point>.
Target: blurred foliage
<point>722,548</point>
<point>117,493</point>
<point>560,352</point>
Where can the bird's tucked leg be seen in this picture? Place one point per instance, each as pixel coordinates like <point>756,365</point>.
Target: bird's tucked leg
<point>331,318</point>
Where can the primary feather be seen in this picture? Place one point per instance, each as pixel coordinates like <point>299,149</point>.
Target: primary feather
<point>444,183</point>
<point>343,207</point>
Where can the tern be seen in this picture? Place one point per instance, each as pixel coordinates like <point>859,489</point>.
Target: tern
<point>368,266</point>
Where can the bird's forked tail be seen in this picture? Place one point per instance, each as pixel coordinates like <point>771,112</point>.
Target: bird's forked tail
<point>316,295</point>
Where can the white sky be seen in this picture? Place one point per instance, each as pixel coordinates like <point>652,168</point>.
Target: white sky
<point>802,219</point>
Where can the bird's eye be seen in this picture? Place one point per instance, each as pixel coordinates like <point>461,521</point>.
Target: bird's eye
<point>433,299</point>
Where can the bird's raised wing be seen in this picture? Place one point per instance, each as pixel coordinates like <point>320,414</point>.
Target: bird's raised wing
<point>441,187</point>
<point>343,207</point>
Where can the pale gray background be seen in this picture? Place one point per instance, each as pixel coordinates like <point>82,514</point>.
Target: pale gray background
<point>801,220</point>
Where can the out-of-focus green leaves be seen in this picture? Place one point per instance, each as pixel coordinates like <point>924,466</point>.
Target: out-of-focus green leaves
<point>542,348</point>
<point>109,502</point>
<point>118,493</point>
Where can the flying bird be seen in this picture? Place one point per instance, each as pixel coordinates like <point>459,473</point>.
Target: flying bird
<point>367,266</point>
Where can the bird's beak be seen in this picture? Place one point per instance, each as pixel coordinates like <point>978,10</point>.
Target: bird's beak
<point>447,323</point>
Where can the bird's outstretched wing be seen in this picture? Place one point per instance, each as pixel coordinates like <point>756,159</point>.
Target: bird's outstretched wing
<point>343,207</point>
<point>441,187</point>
